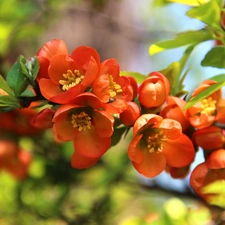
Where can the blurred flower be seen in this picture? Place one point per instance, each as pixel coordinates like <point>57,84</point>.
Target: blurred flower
<point>84,122</point>
<point>154,90</point>
<point>208,172</point>
<point>209,138</point>
<point>158,143</point>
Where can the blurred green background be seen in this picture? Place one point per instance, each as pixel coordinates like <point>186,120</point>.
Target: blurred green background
<point>111,192</point>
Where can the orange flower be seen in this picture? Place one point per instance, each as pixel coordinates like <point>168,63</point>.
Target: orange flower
<point>204,113</point>
<point>110,87</point>
<point>209,138</point>
<point>131,114</point>
<point>49,50</point>
<point>84,122</point>
<point>173,109</point>
<point>158,143</point>
<point>154,90</point>
<point>70,76</point>
<point>179,173</point>
<point>18,121</point>
<point>208,172</point>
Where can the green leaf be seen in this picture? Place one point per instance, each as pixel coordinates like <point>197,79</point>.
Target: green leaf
<point>35,67</point>
<point>185,38</point>
<point>8,102</point>
<point>208,13</point>
<point>172,73</point>
<point>4,86</point>
<point>16,77</point>
<point>215,57</point>
<point>218,78</point>
<point>137,76</point>
<point>190,2</point>
<point>204,94</point>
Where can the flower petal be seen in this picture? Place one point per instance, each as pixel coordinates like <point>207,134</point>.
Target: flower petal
<point>152,165</point>
<point>80,162</point>
<point>179,152</point>
<point>89,144</point>
<point>216,160</point>
<point>135,152</point>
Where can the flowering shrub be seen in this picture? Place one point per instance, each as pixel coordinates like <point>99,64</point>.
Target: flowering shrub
<point>87,101</point>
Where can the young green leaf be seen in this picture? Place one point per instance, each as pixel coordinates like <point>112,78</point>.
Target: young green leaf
<point>16,77</point>
<point>214,57</point>
<point>137,76</point>
<point>204,94</point>
<point>208,13</point>
<point>218,78</point>
<point>182,39</point>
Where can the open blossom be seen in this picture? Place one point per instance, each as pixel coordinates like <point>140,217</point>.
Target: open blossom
<point>158,143</point>
<point>154,90</point>
<point>84,122</point>
<point>213,169</point>
<point>68,75</point>
<point>208,110</point>
<point>111,88</point>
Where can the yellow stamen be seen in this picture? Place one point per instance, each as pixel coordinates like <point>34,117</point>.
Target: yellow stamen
<point>72,78</point>
<point>82,121</point>
<point>114,88</point>
<point>155,140</point>
<point>208,106</point>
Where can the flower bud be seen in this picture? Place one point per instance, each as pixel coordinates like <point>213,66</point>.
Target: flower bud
<point>131,114</point>
<point>154,90</point>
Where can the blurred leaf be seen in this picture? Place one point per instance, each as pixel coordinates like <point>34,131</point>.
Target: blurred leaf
<point>190,2</point>
<point>159,3</point>
<point>204,94</point>
<point>4,86</point>
<point>117,135</point>
<point>5,31</point>
<point>138,76</point>
<point>185,38</point>
<point>214,56</point>
<point>16,77</point>
<point>208,13</point>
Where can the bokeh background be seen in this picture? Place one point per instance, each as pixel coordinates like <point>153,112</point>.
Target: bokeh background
<point>111,192</point>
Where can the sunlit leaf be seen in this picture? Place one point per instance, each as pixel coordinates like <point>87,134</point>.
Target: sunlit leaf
<point>214,56</point>
<point>208,13</point>
<point>204,94</point>
<point>182,39</point>
<point>190,2</point>
<point>137,76</point>
<point>218,78</point>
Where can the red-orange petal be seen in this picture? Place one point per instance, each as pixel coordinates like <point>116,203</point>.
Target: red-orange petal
<point>52,48</point>
<point>80,162</point>
<point>135,152</point>
<point>63,128</point>
<point>89,144</point>
<point>152,165</point>
<point>179,152</point>
<point>103,123</point>
<point>59,64</point>
<point>82,56</point>
<point>216,160</point>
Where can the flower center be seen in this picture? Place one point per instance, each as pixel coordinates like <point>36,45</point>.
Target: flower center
<point>114,88</point>
<point>208,106</point>
<point>81,121</point>
<point>72,78</point>
<point>155,140</point>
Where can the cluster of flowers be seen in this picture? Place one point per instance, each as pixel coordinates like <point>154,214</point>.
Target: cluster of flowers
<point>88,100</point>
<point>14,125</point>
